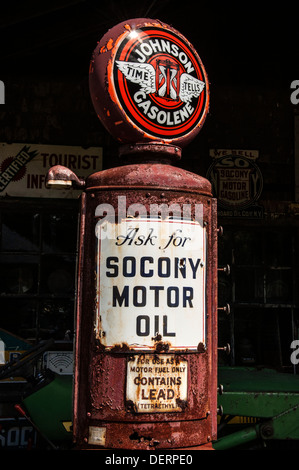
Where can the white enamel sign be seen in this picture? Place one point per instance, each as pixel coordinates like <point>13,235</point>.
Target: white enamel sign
<point>150,283</point>
<point>156,383</point>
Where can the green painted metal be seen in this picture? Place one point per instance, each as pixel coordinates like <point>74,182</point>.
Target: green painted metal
<point>259,405</point>
<point>258,393</point>
<point>267,395</point>
<point>284,426</point>
<point>256,380</point>
<point>236,438</point>
<point>51,406</point>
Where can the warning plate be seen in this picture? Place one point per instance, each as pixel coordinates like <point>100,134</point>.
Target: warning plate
<point>156,383</point>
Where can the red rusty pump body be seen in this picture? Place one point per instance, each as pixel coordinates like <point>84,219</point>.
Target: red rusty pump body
<point>146,327</point>
<point>101,404</point>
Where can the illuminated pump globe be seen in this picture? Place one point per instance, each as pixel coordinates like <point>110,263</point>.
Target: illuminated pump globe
<point>148,84</point>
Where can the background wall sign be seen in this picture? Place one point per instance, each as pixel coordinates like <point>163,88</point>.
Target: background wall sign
<point>237,182</point>
<point>23,168</point>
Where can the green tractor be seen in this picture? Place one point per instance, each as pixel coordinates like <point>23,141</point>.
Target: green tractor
<point>259,407</point>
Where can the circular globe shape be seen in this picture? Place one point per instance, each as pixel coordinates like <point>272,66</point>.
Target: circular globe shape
<point>148,84</point>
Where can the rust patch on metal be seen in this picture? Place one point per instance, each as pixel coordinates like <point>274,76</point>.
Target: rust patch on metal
<point>131,407</point>
<point>108,46</point>
<point>99,346</point>
<point>123,347</point>
<point>151,441</point>
<point>162,347</point>
<point>158,337</point>
<point>201,348</point>
<point>183,404</point>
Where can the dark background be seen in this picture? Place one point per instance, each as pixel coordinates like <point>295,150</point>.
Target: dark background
<point>250,52</point>
<point>239,42</point>
<point>249,49</point>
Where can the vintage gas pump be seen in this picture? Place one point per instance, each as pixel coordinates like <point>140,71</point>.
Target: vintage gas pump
<point>146,331</point>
